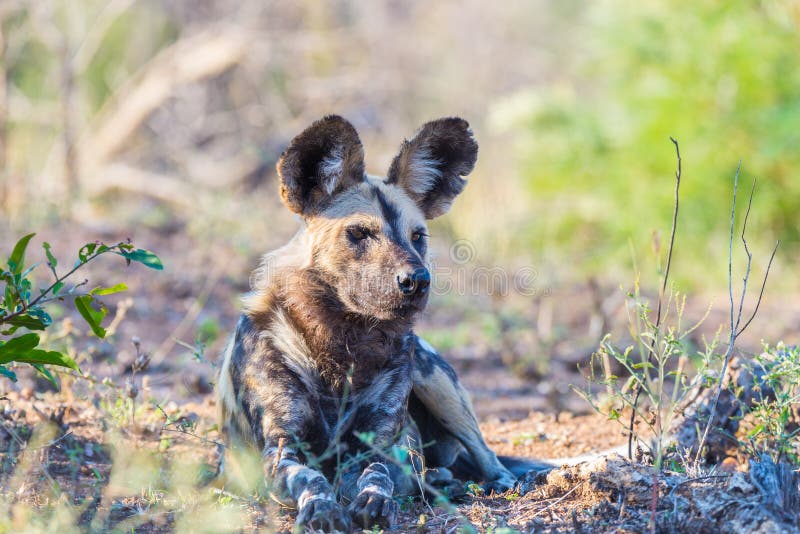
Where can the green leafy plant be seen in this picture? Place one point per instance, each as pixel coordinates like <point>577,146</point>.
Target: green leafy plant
<point>660,344</point>
<point>23,308</point>
<point>774,413</point>
<point>658,371</point>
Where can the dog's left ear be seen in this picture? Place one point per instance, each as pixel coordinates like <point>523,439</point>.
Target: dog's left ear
<point>431,165</point>
<point>325,159</point>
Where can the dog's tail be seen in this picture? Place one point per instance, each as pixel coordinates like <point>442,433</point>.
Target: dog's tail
<point>520,466</point>
<point>466,467</point>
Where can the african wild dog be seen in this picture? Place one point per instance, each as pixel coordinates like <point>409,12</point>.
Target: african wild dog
<point>325,349</point>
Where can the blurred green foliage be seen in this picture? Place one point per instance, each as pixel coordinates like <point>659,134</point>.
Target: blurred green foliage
<point>721,77</point>
<point>589,94</point>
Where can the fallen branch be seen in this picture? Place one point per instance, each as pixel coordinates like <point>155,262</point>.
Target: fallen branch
<point>200,56</point>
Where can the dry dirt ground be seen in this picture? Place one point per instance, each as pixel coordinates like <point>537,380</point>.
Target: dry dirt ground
<point>114,451</point>
<point>94,464</point>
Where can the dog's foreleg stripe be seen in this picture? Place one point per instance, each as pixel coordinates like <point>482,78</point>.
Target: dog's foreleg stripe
<point>376,479</point>
<point>300,483</point>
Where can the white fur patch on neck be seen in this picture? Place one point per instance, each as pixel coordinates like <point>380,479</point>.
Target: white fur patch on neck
<point>424,170</point>
<point>293,349</point>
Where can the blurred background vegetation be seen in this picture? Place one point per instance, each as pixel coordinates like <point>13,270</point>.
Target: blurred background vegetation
<point>165,118</point>
<point>162,120</point>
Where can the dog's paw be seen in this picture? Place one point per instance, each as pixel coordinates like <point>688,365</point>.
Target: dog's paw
<point>439,477</point>
<point>372,508</point>
<point>324,515</point>
<point>505,481</point>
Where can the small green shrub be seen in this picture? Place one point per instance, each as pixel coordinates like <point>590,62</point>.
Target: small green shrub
<point>23,308</point>
<point>775,411</point>
<point>657,364</point>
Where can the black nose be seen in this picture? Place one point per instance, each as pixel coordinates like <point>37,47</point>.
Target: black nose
<point>415,282</point>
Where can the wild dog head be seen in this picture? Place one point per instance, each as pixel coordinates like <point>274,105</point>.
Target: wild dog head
<point>368,235</point>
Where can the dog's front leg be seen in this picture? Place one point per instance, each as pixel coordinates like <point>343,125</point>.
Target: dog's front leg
<point>306,488</point>
<point>373,504</point>
<point>382,414</point>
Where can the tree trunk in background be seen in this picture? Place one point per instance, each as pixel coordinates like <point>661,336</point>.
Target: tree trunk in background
<point>71,184</point>
<point>3,122</point>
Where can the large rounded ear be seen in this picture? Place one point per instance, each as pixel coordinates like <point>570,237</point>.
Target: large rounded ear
<point>324,160</point>
<point>430,166</point>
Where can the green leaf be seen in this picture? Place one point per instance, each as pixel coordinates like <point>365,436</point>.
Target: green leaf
<point>145,257</point>
<point>93,317</point>
<point>28,321</point>
<point>17,259</point>
<point>45,372</point>
<point>18,345</point>
<point>57,287</point>
<point>52,259</point>
<point>86,251</point>
<point>46,357</point>
<point>29,270</point>
<point>99,291</point>
<point>8,373</point>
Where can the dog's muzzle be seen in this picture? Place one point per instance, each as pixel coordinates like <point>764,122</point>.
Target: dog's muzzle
<point>414,283</point>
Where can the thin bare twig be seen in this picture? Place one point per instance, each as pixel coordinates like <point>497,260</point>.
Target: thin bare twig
<point>672,231</point>
<point>761,291</point>
<point>552,504</point>
<point>735,320</point>
<point>749,255</point>
<point>663,289</point>
<point>23,444</point>
<point>180,430</point>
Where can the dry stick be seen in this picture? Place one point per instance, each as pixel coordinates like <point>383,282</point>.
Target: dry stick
<point>181,430</point>
<point>440,498</point>
<point>663,289</point>
<point>552,504</point>
<point>190,59</point>
<point>93,38</point>
<point>749,260</point>
<point>735,331</point>
<point>23,444</point>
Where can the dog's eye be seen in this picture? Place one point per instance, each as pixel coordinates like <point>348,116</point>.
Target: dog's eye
<point>419,234</point>
<point>357,233</point>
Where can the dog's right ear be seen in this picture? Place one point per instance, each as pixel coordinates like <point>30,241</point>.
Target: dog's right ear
<point>324,160</point>
<point>432,165</point>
